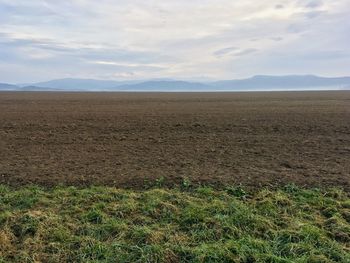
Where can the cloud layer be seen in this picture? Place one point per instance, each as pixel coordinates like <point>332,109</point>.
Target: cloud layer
<point>199,39</point>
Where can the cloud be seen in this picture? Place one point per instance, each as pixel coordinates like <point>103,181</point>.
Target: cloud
<point>130,65</point>
<point>314,14</point>
<point>326,55</point>
<point>276,38</point>
<point>246,52</point>
<point>234,51</point>
<point>279,6</point>
<point>225,51</point>
<point>313,4</point>
<point>175,39</point>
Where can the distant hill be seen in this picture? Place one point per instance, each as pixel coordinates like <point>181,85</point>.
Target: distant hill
<point>256,83</point>
<point>35,88</point>
<point>283,83</point>
<point>165,85</point>
<point>5,86</point>
<point>261,82</point>
<point>80,84</point>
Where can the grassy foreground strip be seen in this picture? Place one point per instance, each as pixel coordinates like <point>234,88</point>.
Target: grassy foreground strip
<point>104,224</point>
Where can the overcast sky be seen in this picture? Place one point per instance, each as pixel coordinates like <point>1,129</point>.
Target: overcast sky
<point>183,39</point>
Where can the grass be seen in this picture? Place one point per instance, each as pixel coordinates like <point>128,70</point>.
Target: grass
<point>103,224</point>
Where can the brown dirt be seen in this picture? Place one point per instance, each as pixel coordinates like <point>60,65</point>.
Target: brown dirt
<point>129,140</point>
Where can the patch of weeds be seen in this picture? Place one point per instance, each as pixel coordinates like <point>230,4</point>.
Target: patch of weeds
<point>93,250</point>
<point>94,216</point>
<point>251,249</point>
<point>346,215</point>
<point>236,191</point>
<point>6,239</point>
<point>329,211</point>
<point>192,214</point>
<point>23,199</point>
<point>282,200</point>
<point>160,182</point>
<point>205,191</point>
<point>335,193</point>
<point>139,253</point>
<point>338,229</point>
<point>110,229</point>
<point>139,234</point>
<point>147,184</point>
<point>267,207</point>
<point>156,208</point>
<point>215,252</point>
<point>317,259</point>
<point>23,257</point>
<point>4,189</point>
<point>291,188</point>
<point>59,234</point>
<point>186,183</point>
<point>346,203</point>
<point>4,217</point>
<point>26,225</point>
<point>125,208</point>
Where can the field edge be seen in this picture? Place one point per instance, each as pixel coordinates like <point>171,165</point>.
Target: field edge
<point>188,224</point>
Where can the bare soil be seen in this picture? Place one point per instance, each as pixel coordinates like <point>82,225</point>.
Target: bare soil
<point>133,139</point>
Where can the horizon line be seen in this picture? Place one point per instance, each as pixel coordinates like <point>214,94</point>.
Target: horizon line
<point>193,80</point>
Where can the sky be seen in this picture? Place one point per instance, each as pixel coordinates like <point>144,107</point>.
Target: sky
<point>183,39</point>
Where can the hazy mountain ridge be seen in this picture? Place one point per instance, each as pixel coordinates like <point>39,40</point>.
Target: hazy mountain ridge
<point>70,83</point>
<point>9,87</point>
<point>175,85</point>
<point>256,83</point>
<point>290,81</point>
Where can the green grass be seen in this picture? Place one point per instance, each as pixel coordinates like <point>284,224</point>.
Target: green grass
<point>102,224</point>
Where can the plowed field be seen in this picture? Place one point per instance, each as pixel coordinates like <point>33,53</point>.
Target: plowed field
<point>136,139</point>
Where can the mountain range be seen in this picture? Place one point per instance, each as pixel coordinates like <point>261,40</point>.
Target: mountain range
<point>256,83</point>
